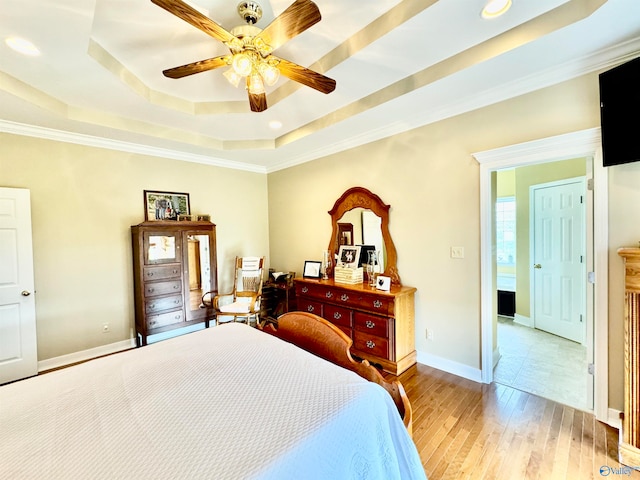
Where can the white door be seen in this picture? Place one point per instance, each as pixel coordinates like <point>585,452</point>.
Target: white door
<point>18,347</point>
<point>558,258</point>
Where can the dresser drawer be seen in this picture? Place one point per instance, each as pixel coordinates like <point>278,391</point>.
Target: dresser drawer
<point>311,306</point>
<point>370,344</point>
<point>161,272</point>
<point>163,303</point>
<point>371,324</point>
<point>340,316</point>
<point>374,303</point>
<point>153,289</point>
<point>164,319</point>
<point>319,292</point>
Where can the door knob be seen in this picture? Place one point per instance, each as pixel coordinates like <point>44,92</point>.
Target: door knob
<point>537,265</point>
<point>25,293</point>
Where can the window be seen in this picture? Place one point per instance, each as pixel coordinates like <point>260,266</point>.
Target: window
<point>506,231</point>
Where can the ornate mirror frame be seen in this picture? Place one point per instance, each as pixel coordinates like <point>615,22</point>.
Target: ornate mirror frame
<point>356,197</point>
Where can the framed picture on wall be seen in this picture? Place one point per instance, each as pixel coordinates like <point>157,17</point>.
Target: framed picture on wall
<point>160,206</point>
<point>311,269</point>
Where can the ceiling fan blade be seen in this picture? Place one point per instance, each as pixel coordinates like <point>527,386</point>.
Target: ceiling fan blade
<point>195,18</point>
<point>257,101</point>
<point>305,76</point>
<point>299,16</point>
<point>196,67</point>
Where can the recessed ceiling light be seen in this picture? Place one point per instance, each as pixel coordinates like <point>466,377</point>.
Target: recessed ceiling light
<point>495,8</point>
<point>23,46</point>
<point>275,124</point>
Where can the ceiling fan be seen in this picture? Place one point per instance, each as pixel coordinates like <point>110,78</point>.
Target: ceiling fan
<point>251,48</point>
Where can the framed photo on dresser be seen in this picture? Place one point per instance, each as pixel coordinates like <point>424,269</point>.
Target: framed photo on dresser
<point>348,256</point>
<point>312,269</point>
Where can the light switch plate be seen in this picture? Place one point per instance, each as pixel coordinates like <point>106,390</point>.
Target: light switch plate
<point>457,252</point>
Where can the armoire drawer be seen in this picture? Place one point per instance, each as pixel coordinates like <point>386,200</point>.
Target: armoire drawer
<point>161,272</point>
<point>163,303</point>
<point>164,319</point>
<point>153,289</point>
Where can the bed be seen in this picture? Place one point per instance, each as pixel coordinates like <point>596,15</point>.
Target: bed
<point>229,402</point>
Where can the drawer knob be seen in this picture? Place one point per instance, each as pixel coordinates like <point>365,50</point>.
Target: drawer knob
<point>151,306</point>
<point>151,290</point>
<point>176,287</point>
<point>150,274</point>
<point>328,294</point>
<point>337,315</point>
<point>310,308</point>
<point>377,303</point>
<point>370,324</point>
<point>305,289</point>
<point>344,297</point>
<point>371,344</point>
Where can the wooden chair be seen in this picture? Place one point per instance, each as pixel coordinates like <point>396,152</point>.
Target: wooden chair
<point>320,337</point>
<point>243,303</point>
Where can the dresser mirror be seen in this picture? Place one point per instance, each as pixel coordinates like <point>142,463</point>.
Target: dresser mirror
<point>369,216</point>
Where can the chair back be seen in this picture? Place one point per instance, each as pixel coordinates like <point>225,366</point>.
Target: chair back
<point>248,279</point>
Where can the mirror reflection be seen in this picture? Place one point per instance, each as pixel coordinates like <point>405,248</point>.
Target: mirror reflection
<point>199,268</point>
<point>162,247</point>
<point>361,226</point>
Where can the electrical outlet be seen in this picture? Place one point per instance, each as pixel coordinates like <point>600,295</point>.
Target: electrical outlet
<point>105,327</point>
<point>457,252</point>
<point>429,334</point>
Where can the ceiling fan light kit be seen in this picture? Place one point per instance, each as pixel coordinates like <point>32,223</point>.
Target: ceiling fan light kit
<point>251,48</point>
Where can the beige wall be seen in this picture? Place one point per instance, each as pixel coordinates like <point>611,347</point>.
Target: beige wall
<point>431,181</point>
<point>83,202</point>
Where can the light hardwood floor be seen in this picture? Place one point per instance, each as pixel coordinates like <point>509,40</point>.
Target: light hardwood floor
<point>468,430</point>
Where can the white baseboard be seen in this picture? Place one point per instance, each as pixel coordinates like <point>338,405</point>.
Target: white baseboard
<point>522,320</point>
<point>64,360</point>
<point>449,366</point>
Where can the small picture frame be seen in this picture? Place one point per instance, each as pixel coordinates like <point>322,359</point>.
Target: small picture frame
<point>383,283</point>
<point>348,256</point>
<point>163,206</point>
<point>203,218</point>
<point>312,269</point>
<point>185,218</point>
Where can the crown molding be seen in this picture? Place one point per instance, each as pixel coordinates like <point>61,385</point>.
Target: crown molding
<point>137,148</point>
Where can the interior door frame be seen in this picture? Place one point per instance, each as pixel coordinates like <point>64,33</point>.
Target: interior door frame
<point>583,143</point>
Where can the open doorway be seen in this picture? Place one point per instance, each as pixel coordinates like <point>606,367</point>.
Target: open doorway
<point>585,144</point>
<point>540,236</point>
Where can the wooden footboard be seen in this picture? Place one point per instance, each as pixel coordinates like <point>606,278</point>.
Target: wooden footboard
<point>320,337</point>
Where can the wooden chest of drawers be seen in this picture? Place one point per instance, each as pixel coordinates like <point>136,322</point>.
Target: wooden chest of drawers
<point>381,324</point>
<point>168,285</point>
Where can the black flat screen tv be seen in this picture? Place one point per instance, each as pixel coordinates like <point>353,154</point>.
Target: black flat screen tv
<point>620,113</point>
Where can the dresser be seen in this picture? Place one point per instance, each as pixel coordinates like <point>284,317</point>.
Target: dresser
<point>381,324</point>
<point>174,264</point>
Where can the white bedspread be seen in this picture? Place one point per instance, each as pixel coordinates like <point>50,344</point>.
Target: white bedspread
<point>228,402</point>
